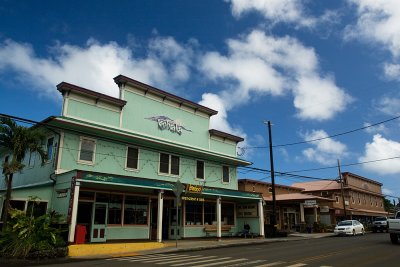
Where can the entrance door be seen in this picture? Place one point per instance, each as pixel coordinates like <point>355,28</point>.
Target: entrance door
<point>99,222</point>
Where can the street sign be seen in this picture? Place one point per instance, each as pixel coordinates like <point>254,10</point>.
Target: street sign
<point>178,188</point>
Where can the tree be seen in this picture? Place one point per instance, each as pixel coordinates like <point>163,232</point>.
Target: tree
<point>16,140</point>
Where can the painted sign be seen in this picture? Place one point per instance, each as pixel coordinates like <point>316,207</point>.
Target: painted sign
<point>310,202</point>
<point>194,188</point>
<point>201,199</point>
<point>165,123</point>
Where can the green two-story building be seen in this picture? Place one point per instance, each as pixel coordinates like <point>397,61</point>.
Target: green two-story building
<point>141,166</point>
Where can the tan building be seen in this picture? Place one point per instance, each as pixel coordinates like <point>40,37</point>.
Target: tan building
<point>295,210</point>
<point>363,197</point>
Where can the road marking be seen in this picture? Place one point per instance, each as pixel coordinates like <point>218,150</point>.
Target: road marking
<point>164,259</point>
<point>271,264</point>
<point>297,265</point>
<point>152,258</point>
<point>141,257</point>
<point>245,263</point>
<point>192,258</point>
<point>219,263</point>
<point>180,264</point>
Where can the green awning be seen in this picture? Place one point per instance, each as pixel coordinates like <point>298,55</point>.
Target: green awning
<point>102,178</point>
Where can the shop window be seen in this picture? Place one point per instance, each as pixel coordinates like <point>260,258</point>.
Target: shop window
<point>15,204</point>
<point>169,164</point>
<point>228,213</point>
<point>85,195</point>
<point>225,174</point>
<point>102,197</point>
<point>115,209</point>
<point>132,158</point>
<point>135,210</point>
<point>209,213</point>
<point>50,147</point>
<point>36,209</point>
<point>194,213</point>
<point>200,170</point>
<point>87,149</point>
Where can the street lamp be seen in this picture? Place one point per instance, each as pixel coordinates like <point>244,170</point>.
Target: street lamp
<point>271,159</point>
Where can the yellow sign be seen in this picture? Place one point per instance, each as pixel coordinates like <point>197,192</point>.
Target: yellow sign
<point>193,199</point>
<point>194,188</point>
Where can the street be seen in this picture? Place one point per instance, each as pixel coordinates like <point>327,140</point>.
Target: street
<point>368,250</point>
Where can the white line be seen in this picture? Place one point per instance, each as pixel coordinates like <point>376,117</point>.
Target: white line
<point>164,259</point>
<point>180,264</point>
<point>297,265</point>
<point>193,258</point>
<point>150,258</point>
<point>141,256</point>
<point>245,263</point>
<point>219,263</point>
<point>271,264</point>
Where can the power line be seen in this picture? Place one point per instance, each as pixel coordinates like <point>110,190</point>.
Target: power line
<point>326,137</point>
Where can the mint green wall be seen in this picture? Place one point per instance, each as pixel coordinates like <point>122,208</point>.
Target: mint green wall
<point>110,158</point>
<point>253,222</point>
<point>223,147</point>
<point>63,181</point>
<point>85,111</point>
<point>138,108</point>
<point>131,232</point>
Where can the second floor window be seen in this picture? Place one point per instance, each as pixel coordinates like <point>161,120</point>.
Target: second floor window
<point>200,170</point>
<point>87,150</point>
<point>132,158</point>
<point>169,164</point>
<point>225,174</point>
<point>50,143</point>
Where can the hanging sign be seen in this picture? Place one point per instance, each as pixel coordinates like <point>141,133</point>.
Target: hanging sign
<point>194,188</point>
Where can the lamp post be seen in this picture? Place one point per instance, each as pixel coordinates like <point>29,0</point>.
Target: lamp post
<point>271,159</point>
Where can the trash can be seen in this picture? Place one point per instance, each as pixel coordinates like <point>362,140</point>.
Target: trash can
<point>80,234</point>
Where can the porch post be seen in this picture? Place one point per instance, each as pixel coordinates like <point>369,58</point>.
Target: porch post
<point>315,214</point>
<point>302,220</point>
<point>74,212</point>
<point>219,218</point>
<point>261,216</point>
<point>160,215</point>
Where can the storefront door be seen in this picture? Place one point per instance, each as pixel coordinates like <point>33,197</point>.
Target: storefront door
<point>99,222</point>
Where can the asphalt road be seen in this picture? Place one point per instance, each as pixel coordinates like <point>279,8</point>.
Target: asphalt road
<point>368,250</point>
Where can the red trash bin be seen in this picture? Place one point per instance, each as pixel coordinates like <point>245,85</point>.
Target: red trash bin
<point>80,234</point>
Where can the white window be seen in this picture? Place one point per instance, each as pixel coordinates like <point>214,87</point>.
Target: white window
<point>169,164</point>
<point>132,158</point>
<point>200,170</point>
<point>87,149</point>
<point>225,174</point>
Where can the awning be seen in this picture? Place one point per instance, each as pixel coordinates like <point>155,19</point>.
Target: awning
<point>102,178</point>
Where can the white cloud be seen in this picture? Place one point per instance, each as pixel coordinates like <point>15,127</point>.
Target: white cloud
<point>288,11</point>
<point>325,151</point>
<point>387,191</point>
<point>258,64</point>
<point>381,128</point>
<point>389,105</point>
<point>95,65</point>
<point>392,71</point>
<point>382,148</point>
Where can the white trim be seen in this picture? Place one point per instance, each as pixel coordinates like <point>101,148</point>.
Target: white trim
<point>60,151</point>
<point>64,111</point>
<point>126,159</point>
<point>71,237</point>
<point>94,151</point>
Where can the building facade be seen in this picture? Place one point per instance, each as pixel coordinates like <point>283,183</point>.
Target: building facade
<point>141,166</point>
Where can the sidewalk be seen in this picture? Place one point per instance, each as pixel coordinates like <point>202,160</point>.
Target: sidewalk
<point>93,251</point>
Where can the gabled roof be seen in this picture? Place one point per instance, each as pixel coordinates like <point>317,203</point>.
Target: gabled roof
<point>323,185</point>
<point>225,135</point>
<point>64,87</point>
<point>121,79</point>
<point>252,181</point>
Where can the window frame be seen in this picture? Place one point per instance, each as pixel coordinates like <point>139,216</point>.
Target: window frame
<point>50,156</point>
<point>197,170</point>
<point>87,162</point>
<point>223,176</point>
<point>169,173</point>
<point>137,159</point>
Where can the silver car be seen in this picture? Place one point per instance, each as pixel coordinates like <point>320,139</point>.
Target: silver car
<point>349,227</point>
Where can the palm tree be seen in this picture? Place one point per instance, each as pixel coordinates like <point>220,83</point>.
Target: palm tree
<point>16,140</point>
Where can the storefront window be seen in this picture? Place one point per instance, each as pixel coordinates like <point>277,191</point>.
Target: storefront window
<point>228,213</point>
<point>115,209</point>
<point>194,213</point>
<point>36,208</point>
<point>135,211</point>
<point>209,213</point>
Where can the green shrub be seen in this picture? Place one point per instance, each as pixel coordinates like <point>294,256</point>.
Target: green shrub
<point>26,234</point>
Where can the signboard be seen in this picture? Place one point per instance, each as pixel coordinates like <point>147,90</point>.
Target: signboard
<point>165,123</point>
<point>309,202</point>
<point>194,188</point>
<point>200,199</point>
<point>324,209</point>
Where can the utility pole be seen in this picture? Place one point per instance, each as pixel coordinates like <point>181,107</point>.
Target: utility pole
<point>271,159</point>
<point>342,190</point>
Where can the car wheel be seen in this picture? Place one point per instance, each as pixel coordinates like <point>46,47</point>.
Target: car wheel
<point>362,231</point>
<point>354,232</point>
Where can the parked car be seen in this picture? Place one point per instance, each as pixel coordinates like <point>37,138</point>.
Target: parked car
<point>379,224</point>
<point>394,228</point>
<point>349,227</point>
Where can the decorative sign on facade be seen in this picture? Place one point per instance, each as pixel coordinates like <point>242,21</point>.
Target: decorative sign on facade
<point>201,199</point>
<point>310,202</point>
<point>324,209</point>
<point>165,123</point>
<point>194,188</point>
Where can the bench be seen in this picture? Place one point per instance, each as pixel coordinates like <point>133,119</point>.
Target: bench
<point>213,229</point>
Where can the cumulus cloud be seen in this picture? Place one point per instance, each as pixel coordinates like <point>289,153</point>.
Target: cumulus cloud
<point>325,151</point>
<point>288,11</point>
<point>381,128</point>
<point>95,64</point>
<point>392,71</point>
<point>382,148</point>
<point>258,64</point>
<point>389,105</point>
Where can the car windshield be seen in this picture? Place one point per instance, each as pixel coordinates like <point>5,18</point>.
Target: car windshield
<point>345,223</point>
<point>380,219</point>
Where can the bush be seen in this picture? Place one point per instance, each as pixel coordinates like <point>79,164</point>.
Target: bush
<point>27,234</point>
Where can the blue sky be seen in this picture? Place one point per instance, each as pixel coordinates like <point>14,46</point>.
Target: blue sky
<point>313,68</point>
